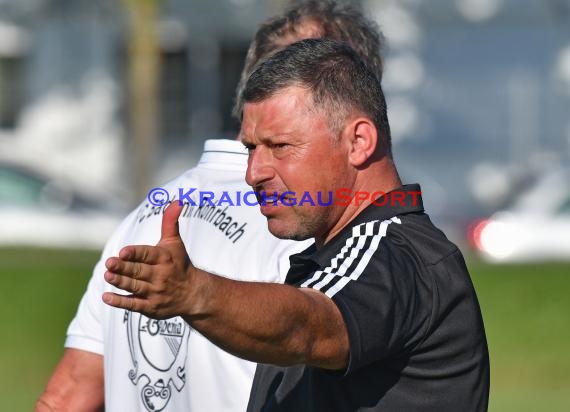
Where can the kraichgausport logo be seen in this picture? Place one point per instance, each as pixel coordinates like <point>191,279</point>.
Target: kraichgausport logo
<point>340,197</point>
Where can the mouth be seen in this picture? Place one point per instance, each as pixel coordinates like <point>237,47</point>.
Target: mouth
<point>265,198</point>
<point>271,203</point>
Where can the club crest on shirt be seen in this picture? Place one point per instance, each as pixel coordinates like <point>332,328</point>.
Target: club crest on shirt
<point>158,351</point>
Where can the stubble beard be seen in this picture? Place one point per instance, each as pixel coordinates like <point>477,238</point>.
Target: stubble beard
<point>301,226</point>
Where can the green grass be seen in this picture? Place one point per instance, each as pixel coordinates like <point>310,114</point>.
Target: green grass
<point>40,290</point>
<point>526,311</point>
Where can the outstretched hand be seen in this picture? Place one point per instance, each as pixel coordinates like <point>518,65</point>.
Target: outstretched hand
<point>158,277</point>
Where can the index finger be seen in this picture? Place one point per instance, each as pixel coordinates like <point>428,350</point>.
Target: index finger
<point>141,254</point>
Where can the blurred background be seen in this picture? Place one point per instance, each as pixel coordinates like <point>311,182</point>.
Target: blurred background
<point>102,100</point>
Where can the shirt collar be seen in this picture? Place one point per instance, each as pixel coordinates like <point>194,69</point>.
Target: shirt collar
<point>403,200</point>
<point>224,151</point>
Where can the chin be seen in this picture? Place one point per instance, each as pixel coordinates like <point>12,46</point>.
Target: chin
<point>284,231</point>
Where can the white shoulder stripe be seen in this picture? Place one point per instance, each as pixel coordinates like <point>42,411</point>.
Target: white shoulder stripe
<point>345,265</point>
<point>333,269</point>
<point>357,251</point>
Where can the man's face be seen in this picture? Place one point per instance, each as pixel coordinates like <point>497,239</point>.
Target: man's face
<point>292,149</point>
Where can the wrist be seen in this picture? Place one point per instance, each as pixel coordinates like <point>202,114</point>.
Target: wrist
<point>200,299</point>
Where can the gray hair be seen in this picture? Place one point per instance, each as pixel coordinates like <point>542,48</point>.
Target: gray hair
<point>337,21</point>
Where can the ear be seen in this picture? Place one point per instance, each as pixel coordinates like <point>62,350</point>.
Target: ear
<point>364,139</point>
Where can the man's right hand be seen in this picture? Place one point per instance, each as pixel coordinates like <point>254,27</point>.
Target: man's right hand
<point>161,278</point>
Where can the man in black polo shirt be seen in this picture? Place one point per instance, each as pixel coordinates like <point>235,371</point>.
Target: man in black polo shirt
<point>415,331</point>
<point>380,314</point>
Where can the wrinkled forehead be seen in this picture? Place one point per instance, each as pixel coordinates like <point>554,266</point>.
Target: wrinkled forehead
<point>281,111</point>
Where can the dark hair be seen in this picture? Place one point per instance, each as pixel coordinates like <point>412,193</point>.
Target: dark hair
<point>337,21</point>
<point>339,82</point>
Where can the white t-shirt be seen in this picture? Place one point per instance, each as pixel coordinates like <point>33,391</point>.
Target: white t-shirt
<point>165,365</point>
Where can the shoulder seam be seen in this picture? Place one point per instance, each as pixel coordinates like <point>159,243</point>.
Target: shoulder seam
<point>365,240</point>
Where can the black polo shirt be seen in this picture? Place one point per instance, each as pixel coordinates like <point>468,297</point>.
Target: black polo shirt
<point>416,334</point>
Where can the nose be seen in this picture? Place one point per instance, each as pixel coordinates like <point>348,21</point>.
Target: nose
<point>259,167</point>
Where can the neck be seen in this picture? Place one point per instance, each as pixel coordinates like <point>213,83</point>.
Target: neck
<point>380,176</point>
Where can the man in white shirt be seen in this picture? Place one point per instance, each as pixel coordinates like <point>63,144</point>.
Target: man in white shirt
<point>125,361</point>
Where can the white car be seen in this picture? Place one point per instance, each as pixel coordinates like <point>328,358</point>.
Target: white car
<point>37,210</point>
<point>535,228</point>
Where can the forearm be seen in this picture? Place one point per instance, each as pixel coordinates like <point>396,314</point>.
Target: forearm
<point>269,323</point>
<point>76,384</point>
<point>261,322</point>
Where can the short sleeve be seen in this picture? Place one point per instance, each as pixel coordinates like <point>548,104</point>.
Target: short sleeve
<point>382,295</point>
<point>86,331</point>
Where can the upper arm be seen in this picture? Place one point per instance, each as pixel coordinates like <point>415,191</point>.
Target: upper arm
<point>386,309</point>
<point>383,301</point>
<point>331,348</point>
<point>75,385</point>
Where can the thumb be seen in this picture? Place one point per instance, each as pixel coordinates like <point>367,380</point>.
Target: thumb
<point>170,221</point>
